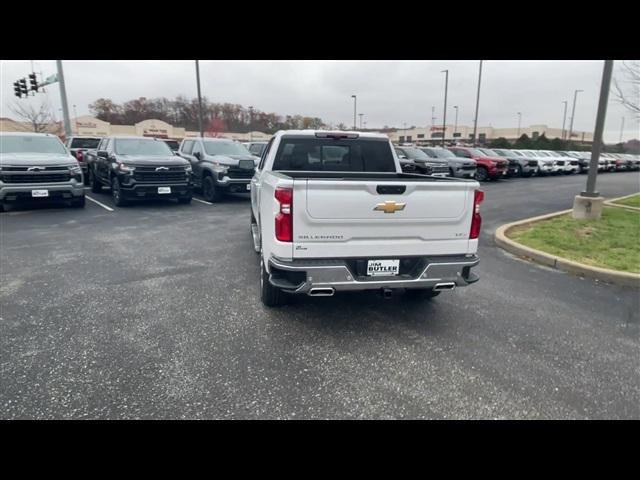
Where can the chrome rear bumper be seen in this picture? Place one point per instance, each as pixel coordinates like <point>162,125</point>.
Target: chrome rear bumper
<point>339,276</point>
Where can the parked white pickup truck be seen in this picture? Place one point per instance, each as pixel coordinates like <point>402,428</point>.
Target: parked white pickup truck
<point>333,211</point>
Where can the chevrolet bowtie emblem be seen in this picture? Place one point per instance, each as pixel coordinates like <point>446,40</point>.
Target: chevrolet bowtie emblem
<point>390,207</point>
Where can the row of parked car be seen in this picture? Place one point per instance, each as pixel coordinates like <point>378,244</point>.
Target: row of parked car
<point>486,164</point>
<point>39,167</point>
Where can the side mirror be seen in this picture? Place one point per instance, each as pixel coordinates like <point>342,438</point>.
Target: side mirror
<point>403,157</point>
<point>197,155</point>
<point>103,154</point>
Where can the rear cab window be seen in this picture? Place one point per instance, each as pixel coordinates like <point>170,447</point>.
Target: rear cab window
<point>334,155</point>
<point>88,143</point>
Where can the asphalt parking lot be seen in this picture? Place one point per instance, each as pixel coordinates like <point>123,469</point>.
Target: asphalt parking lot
<point>153,311</point>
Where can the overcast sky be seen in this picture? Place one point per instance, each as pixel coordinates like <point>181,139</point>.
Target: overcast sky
<point>389,92</point>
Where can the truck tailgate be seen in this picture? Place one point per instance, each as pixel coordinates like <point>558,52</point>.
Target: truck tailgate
<point>378,218</point>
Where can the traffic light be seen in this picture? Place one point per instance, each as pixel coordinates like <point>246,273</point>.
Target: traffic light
<point>23,87</point>
<point>33,81</point>
<point>16,88</point>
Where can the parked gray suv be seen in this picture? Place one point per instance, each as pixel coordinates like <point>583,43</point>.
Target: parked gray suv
<point>38,167</point>
<point>458,166</point>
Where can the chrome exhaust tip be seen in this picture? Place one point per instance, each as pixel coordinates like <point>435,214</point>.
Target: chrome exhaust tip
<point>444,286</point>
<point>321,292</point>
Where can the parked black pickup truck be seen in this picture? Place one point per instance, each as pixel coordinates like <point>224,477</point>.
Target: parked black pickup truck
<point>139,168</point>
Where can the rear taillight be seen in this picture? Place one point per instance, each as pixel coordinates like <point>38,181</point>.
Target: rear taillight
<point>284,218</point>
<point>476,221</point>
<point>79,155</point>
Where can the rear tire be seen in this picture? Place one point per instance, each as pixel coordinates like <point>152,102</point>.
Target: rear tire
<point>270,295</point>
<point>96,186</point>
<point>209,190</point>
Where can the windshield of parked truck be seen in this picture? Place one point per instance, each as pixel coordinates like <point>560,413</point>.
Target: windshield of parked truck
<point>414,153</point>
<point>502,153</point>
<point>488,152</point>
<point>225,148</point>
<point>84,143</point>
<point>30,144</point>
<point>140,146</point>
<point>438,153</point>
<point>331,155</point>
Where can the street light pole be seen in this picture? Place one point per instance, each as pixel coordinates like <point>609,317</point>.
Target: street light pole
<point>519,119</point>
<point>444,116</point>
<point>63,100</point>
<point>564,118</point>
<point>75,120</point>
<point>360,115</point>
<point>475,120</point>
<point>455,125</point>
<point>199,100</point>
<point>250,123</point>
<point>355,100</point>
<point>621,129</point>
<point>573,112</point>
<point>597,138</point>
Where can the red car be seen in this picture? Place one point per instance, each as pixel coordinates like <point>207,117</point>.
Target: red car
<point>488,167</point>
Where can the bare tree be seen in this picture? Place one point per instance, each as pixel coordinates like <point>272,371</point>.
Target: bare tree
<point>38,118</point>
<point>627,88</point>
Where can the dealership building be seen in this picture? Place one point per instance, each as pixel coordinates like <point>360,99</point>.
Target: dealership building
<point>462,133</point>
<point>91,126</point>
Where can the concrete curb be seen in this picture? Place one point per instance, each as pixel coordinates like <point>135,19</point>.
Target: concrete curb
<point>610,203</point>
<point>612,276</point>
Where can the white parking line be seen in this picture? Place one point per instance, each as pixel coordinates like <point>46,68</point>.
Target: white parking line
<point>101,204</point>
<point>201,201</point>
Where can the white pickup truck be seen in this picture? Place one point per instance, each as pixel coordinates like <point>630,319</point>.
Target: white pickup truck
<point>332,211</point>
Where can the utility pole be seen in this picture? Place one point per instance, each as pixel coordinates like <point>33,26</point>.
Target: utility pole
<point>455,125</point>
<point>588,205</point>
<point>621,129</point>
<point>199,100</point>
<point>564,118</point>
<point>444,116</point>
<point>354,111</point>
<point>75,120</point>
<point>519,119</point>
<point>573,111</point>
<point>360,115</point>
<point>475,120</point>
<point>251,123</point>
<point>63,100</point>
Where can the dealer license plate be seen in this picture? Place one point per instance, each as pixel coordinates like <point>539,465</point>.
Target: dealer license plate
<point>39,193</point>
<point>164,189</point>
<point>383,267</point>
